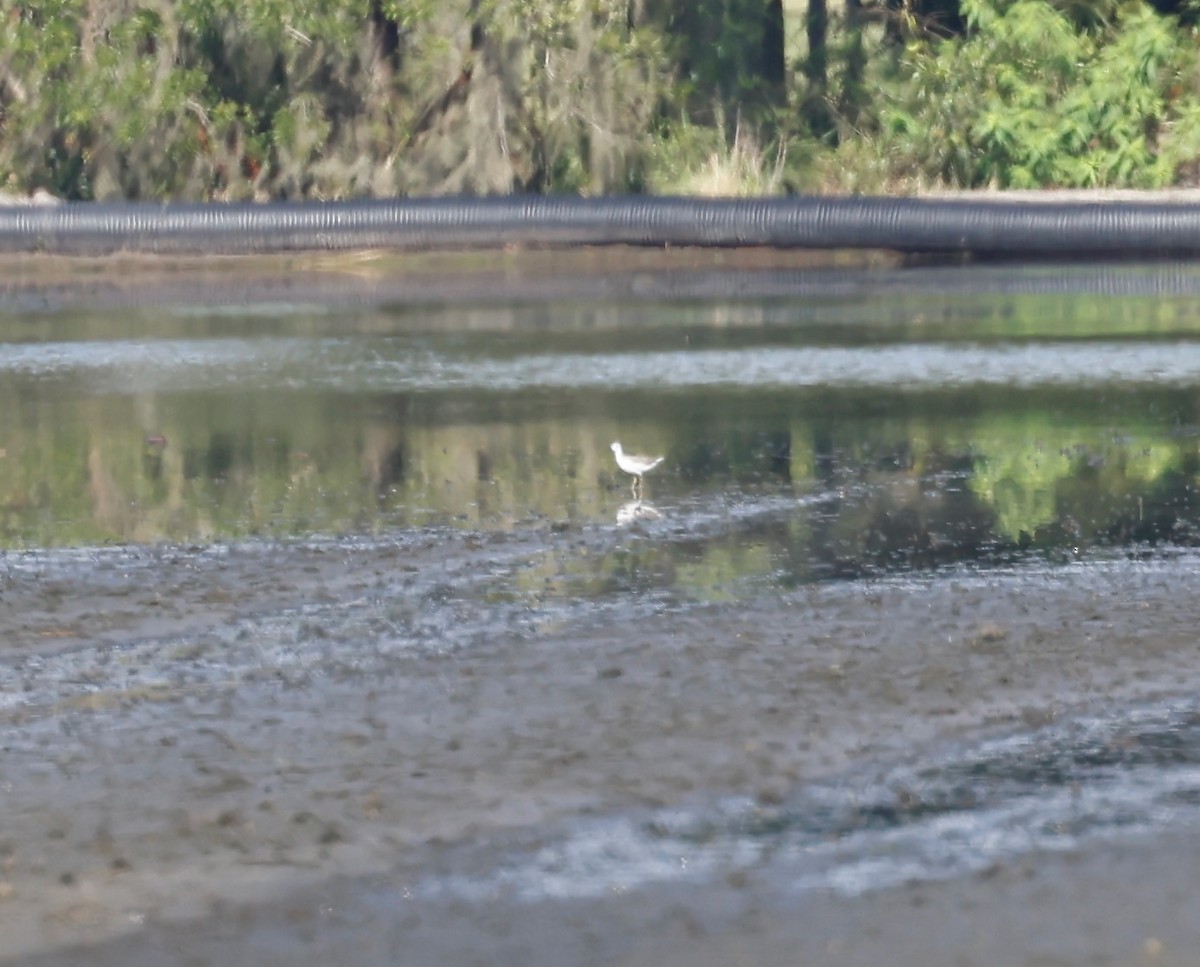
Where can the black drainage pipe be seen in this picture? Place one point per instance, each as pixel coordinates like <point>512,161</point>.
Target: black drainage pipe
<point>915,225</point>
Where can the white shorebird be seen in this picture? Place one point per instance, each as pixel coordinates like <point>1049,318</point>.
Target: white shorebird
<point>634,464</point>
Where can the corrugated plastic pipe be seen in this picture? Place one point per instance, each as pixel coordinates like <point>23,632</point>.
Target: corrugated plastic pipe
<point>984,228</point>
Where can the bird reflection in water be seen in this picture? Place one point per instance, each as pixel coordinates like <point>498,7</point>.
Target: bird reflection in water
<point>636,510</point>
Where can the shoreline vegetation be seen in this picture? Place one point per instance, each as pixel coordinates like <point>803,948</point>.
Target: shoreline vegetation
<point>204,100</point>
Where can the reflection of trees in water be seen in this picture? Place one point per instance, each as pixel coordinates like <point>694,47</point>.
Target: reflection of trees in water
<point>904,486</point>
<point>1009,490</point>
<point>229,465</point>
<point>894,515</point>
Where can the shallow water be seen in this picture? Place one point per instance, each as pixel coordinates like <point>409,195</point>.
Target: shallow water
<point>873,428</point>
<point>879,424</point>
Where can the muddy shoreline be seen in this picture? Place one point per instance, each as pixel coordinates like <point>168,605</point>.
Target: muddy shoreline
<point>247,724</point>
<point>1131,904</point>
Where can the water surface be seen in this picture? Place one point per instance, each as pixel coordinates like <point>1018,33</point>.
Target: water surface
<point>839,424</point>
<point>922,424</point>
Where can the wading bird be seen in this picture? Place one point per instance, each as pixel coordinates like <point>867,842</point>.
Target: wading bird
<point>633,464</point>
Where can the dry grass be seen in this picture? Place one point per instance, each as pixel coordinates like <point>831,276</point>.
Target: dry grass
<point>741,169</point>
<point>701,162</point>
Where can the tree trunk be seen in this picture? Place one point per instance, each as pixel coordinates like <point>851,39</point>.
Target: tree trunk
<point>774,67</point>
<point>816,69</point>
<point>852,95</point>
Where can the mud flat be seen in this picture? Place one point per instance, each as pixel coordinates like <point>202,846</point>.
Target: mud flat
<point>258,754</point>
<point>1125,905</point>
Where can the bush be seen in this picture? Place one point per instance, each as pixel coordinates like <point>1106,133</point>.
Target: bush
<point>694,159</point>
<point>1030,98</point>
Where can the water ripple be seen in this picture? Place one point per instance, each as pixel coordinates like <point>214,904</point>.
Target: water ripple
<point>374,366</point>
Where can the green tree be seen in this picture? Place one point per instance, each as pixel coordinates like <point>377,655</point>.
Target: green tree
<point>1030,97</point>
<point>330,98</point>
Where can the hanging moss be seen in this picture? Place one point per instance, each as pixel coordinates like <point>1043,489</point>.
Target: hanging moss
<point>335,98</point>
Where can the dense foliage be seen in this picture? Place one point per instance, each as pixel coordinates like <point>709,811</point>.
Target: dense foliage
<point>337,98</point>
<point>326,98</point>
<point>1029,97</point>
